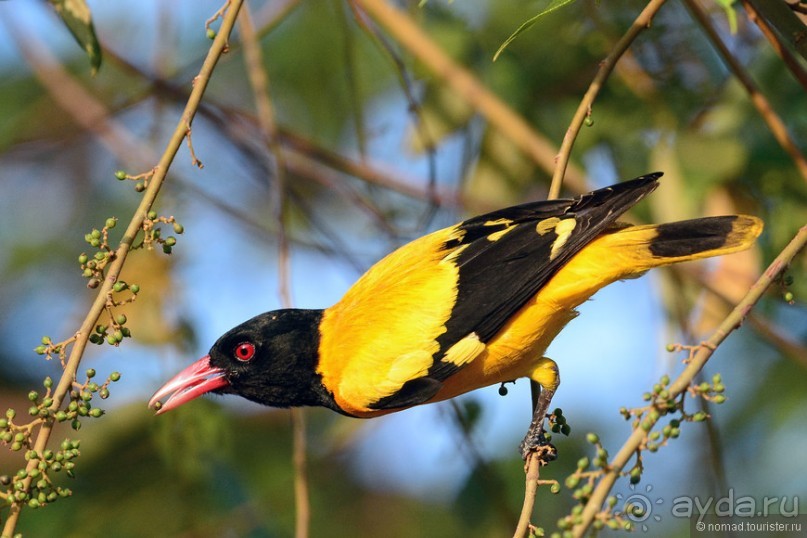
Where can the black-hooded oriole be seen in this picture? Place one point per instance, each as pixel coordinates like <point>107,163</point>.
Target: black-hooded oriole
<point>468,306</point>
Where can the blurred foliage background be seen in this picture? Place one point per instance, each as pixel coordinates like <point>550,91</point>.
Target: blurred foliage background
<point>375,150</point>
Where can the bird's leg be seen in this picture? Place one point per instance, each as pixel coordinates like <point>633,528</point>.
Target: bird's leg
<point>535,435</point>
<point>545,381</point>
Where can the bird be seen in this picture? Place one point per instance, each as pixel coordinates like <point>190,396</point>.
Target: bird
<point>464,307</point>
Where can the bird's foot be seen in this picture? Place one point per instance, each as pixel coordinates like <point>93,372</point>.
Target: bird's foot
<point>536,441</point>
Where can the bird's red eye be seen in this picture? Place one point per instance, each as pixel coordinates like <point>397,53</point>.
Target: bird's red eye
<point>244,351</point>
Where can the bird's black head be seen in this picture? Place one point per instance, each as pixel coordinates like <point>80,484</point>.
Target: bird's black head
<point>270,359</point>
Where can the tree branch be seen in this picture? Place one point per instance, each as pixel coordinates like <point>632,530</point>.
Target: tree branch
<point>774,122</point>
<point>149,196</point>
<point>683,381</point>
<point>468,87</point>
<point>584,109</point>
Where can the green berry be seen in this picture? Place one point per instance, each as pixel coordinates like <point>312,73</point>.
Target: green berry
<point>90,373</point>
<point>114,376</point>
<point>140,187</point>
<point>10,414</point>
<point>118,336</point>
<point>135,288</point>
<point>95,234</point>
<point>670,348</point>
<point>120,175</point>
<point>700,416</point>
<point>171,241</point>
<point>717,379</point>
<point>103,393</point>
<point>40,350</point>
<point>719,388</point>
<point>178,228</point>
<point>76,425</point>
<point>582,463</point>
<point>167,249</point>
<point>565,429</point>
<point>211,33</point>
<point>719,399</point>
<point>111,222</point>
<point>33,396</point>
<point>82,259</point>
<point>593,438</point>
<point>119,286</point>
<point>120,319</point>
<point>3,424</point>
<point>555,488</point>
<point>151,215</point>
<point>572,481</point>
<point>95,339</point>
<point>33,410</point>
<point>100,329</point>
<point>111,339</point>
<point>87,273</point>
<point>95,412</point>
<point>61,416</point>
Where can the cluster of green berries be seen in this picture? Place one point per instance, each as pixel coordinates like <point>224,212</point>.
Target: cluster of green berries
<point>582,481</point>
<point>93,265</point>
<point>142,180</point>
<point>712,392</point>
<point>153,233</point>
<point>48,347</point>
<point>42,491</point>
<point>12,435</point>
<point>81,396</point>
<point>116,331</point>
<point>557,422</point>
<point>661,396</point>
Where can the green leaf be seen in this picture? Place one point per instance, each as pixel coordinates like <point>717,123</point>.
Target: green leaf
<point>77,17</point>
<point>553,5</point>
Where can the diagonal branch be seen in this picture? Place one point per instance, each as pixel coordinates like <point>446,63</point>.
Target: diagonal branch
<point>469,88</point>
<point>584,109</point>
<point>149,196</point>
<point>683,381</point>
<point>760,102</point>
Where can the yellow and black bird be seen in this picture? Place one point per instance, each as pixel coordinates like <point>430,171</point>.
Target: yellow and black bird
<point>468,306</point>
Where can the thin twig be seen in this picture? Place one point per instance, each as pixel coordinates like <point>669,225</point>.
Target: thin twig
<point>266,121</point>
<point>469,88</point>
<point>584,108</point>
<point>683,381</point>
<point>779,48</point>
<point>760,102</point>
<point>114,270</point>
<point>534,462</point>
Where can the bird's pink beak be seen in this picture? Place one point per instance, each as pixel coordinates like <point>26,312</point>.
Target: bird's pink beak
<point>197,379</point>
